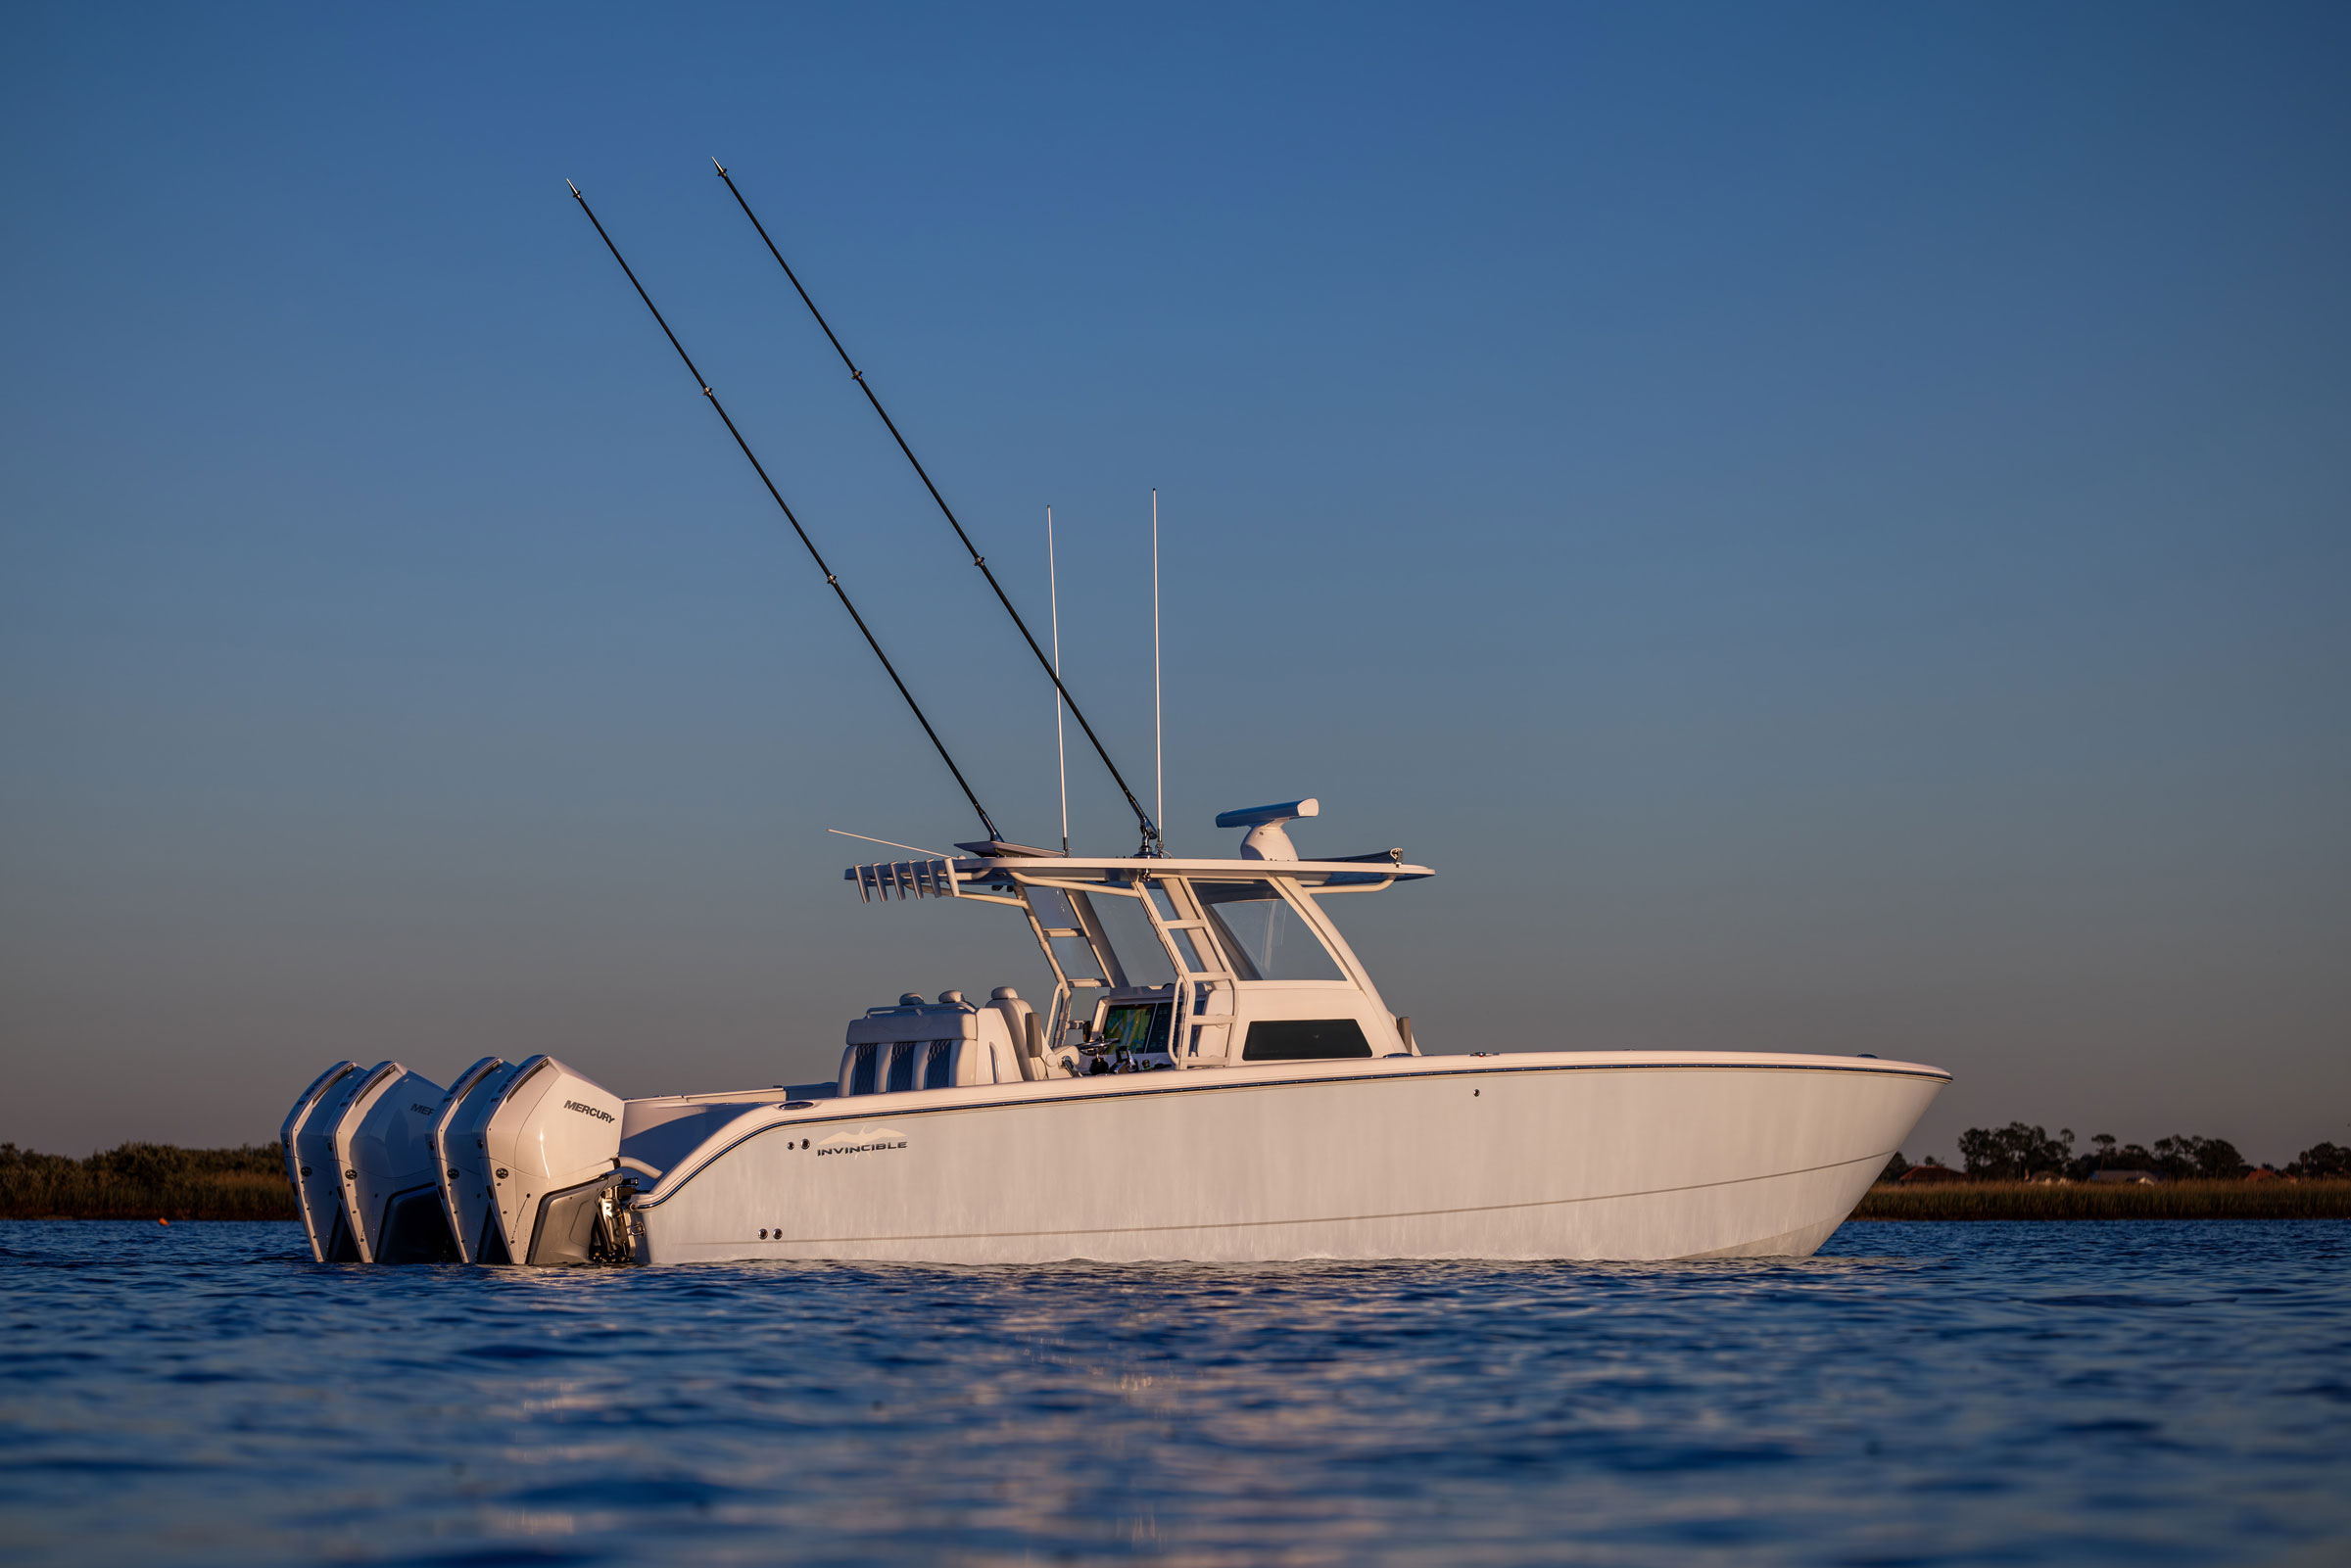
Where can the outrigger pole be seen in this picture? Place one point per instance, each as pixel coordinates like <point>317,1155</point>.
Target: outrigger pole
<point>1151,846</point>
<point>830,581</point>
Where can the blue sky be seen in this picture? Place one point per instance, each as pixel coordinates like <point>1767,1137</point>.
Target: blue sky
<point>1830,527</point>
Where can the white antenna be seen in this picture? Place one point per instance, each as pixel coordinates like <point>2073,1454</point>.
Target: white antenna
<point>1061,757</point>
<point>935,854</point>
<point>1159,763</point>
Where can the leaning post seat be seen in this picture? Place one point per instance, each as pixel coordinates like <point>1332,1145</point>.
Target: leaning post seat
<point>928,1045</point>
<point>1028,1032</point>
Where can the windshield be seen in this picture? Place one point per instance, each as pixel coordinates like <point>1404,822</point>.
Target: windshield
<point>1268,939</point>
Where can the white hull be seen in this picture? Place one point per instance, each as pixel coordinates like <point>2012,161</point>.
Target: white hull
<point>1619,1156</point>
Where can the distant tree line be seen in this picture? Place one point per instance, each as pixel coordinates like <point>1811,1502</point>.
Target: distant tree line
<point>2322,1159</point>
<point>154,1162</point>
<point>140,1180</point>
<point>2020,1153</point>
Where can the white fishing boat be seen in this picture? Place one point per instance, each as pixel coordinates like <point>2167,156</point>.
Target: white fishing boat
<point>1213,1075</point>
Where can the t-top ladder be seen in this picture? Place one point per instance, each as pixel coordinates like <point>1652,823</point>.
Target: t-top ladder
<point>1187,934</point>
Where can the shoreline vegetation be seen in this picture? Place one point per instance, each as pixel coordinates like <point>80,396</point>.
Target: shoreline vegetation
<point>2238,1199</point>
<point>146,1181</point>
<point>156,1181</point>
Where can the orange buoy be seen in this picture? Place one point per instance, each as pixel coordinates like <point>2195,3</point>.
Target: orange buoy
<point>161,1220</point>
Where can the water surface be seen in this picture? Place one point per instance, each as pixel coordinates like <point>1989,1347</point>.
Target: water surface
<point>2150,1394</point>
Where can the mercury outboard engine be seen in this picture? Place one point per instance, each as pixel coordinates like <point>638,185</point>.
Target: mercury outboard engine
<point>552,1143</point>
<point>322,1181</point>
<point>384,1154</point>
<point>463,1168</point>
<point>314,1185</point>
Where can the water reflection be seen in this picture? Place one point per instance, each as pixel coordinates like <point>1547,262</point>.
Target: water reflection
<point>2034,1393</point>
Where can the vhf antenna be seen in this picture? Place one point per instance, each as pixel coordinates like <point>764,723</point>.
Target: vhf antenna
<point>1151,845</point>
<point>830,581</point>
<point>1061,750</point>
<point>1158,748</point>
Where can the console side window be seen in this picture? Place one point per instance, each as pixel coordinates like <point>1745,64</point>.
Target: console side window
<point>1305,1040</point>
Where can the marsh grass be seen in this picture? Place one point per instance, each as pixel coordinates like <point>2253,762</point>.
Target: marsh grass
<point>2170,1199</point>
<point>146,1181</point>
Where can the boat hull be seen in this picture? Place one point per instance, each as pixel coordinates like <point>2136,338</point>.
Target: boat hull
<point>1614,1155</point>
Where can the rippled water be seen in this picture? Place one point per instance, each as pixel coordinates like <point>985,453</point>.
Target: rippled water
<point>1918,1394</point>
